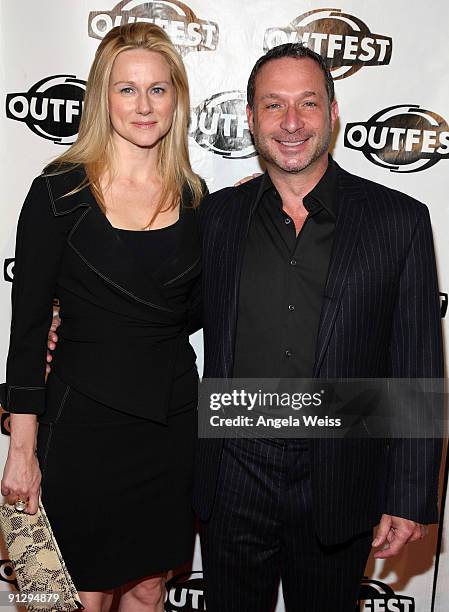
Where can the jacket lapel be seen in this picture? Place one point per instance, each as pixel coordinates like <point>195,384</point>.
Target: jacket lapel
<point>185,258</point>
<point>350,204</point>
<point>98,244</point>
<point>103,251</point>
<point>239,229</point>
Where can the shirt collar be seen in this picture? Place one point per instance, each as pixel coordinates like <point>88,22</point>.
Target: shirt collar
<point>323,195</point>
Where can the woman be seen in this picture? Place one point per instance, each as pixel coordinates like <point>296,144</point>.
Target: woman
<point>117,416</point>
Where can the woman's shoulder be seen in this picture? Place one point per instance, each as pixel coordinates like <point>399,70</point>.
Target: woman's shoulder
<point>68,186</point>
<point>188,192</point>
<point>59,186</point>
<point>56,173</point>
<point>204,186</point>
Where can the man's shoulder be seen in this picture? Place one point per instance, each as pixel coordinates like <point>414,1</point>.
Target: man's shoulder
<point>380,197</point>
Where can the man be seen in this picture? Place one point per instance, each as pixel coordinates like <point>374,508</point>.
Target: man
<point>310,271</point>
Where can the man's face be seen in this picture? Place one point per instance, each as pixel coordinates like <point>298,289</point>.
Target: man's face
<point>292,120</point>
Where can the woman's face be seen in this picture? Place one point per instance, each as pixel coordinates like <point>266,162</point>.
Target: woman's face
<point>142,98</point>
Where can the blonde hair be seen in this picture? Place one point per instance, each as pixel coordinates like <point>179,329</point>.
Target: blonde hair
<point>93,147</point>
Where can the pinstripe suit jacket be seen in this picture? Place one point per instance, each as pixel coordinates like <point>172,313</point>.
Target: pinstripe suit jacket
<point>379,318</point>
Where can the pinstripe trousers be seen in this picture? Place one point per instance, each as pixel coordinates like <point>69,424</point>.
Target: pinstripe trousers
<point>261,530</point>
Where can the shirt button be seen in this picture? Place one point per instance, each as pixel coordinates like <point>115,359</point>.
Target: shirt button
<point>288,353</point>
<point>293,262</point>
<point>291,307</point>
<point>287,220</point>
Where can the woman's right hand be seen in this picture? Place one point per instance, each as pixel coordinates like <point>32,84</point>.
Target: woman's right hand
<point>22,479</point>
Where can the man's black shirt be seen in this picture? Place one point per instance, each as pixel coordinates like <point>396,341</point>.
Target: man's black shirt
<point>282,284</point>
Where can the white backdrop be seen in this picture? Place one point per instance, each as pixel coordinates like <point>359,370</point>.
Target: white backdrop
<point>390,62</point>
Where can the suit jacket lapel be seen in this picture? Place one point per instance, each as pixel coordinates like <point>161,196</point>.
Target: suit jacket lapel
<point>239,231</point>
<point>350,204</point>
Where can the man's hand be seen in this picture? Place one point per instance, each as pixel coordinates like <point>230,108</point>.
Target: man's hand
<point>393,532</point>
<point>52,339</point>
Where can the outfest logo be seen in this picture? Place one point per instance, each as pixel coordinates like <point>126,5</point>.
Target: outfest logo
<point>402,138</point>
<point>8,269</point>
<point>376,596</point>
<point>185,29</point>
<point>185,592</point>
<point>219,124</point>
<point>5,425</point>
<point>51,108</point>
<point>343,40</point>
<point>444,299</point>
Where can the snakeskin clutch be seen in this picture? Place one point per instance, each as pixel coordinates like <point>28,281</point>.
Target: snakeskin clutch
<point>37,560</point>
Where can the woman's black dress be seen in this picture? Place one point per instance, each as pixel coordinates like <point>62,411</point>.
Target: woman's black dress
<point>116,486</point>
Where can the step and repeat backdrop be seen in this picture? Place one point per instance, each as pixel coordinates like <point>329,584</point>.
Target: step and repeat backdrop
<point>389,61</point>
